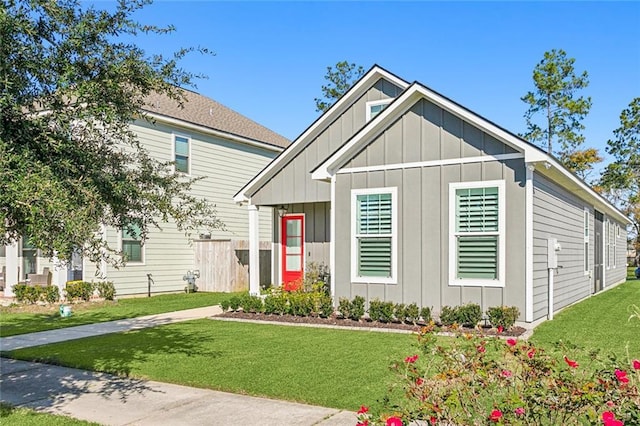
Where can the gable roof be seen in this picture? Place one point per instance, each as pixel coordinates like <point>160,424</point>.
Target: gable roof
<point>206,112</point>
<point>532,154</point>
<point>301,142</point>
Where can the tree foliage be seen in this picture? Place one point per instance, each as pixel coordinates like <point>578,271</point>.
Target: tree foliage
<point>621,178</point>
<point>71,86</point>
<point>581,161</point>
<point>340,78</point>
<point>555,114</point>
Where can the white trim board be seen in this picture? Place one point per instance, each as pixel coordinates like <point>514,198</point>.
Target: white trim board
<point>431,163</point>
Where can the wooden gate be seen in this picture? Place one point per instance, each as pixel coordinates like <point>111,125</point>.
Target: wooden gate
<point>224,265</point>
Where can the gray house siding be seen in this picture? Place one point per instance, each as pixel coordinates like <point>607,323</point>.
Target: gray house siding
<point>317,235</point>
<point>428,133</point>
<point>293,183</point>
<point>617,271</point>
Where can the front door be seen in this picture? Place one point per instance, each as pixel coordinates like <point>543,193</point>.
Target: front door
<point>597,252</point>
<point>292,242</point>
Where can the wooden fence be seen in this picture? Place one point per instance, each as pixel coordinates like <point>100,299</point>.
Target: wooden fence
<point>224,265</point>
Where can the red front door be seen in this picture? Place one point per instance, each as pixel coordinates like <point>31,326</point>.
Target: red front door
<point>292,228</point>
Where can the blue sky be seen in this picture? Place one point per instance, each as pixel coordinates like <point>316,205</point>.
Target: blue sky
<point>271,57</point>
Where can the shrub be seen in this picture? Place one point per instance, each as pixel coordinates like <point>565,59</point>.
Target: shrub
<point>224,305</point>
<point>503,316</point>
<point>399,311</point>
<point>344,307</point>
<point>448,315</point>
<point>412,313</point>
<point>425,314</point>
<point>386,311</point>
<point>79,290</point>
<point>480,380</point>
<point>275,303</point>
<point>375,309</point>
<point>357,308</point>
<point>234,303</point>
<point>106,290</point>
<point>325,306</point>
<point>50,294</point>
<point>301,304</point>
<point>293,285</point>
<point>250,303</point>
<point>26,294</point>
<point>469,315</point>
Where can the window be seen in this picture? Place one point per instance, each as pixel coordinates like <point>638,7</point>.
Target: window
<point>607,242</point>
<point>476,252</point>
<point>374,256</point>
<point>132,243</point>
<point>376,107</point>
<point>586,240</point>
<point>614,244</point>
<point>29,258</point>
<point>181,153</point>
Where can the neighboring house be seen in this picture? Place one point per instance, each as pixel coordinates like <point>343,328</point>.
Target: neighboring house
<point>410,197</point>
<point>204,138</point>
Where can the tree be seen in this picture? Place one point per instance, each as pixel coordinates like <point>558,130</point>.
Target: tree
<point>621,178</point>
<point>340,78</point>
<point>555,98</point>
<point>69,162</point>
<point>581,161</point>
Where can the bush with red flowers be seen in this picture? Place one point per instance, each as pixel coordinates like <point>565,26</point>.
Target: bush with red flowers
<point>479,380</point>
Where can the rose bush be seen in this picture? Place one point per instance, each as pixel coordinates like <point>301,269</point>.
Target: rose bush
<point>480,380</point>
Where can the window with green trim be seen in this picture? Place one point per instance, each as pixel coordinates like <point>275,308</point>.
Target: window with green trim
<point>132,243</point>
<point>374,235</point>
<point>477,233</point>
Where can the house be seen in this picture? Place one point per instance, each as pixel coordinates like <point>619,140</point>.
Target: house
<point>410,197</point>
<point>204,138</point>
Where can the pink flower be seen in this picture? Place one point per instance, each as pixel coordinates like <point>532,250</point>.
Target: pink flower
<point>622,376</point>
<point>365,422</point>
<point>610,404</point>
<point>419,381</point>
<point>500,329</point>
<point>433,420</point>
<point>512,342</point>
<point>495,415</point>
<point>636,364</point>
<point>394,421</point>
<point>481,349</point>
<point>506,373</point>
<point>411,359</point>
<point>531,353</point>
<point>363,409</point>
<point>519,411</point>
<point>570,363</point>
<point>609,419</point>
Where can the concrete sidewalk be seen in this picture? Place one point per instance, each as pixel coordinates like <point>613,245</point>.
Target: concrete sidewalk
<point>113,400</point>
<point>71,333</point>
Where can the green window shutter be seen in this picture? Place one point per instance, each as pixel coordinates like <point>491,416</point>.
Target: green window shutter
<point>477,226</point>
<point>374,229</point>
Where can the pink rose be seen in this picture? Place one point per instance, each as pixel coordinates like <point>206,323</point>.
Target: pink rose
<point>394,421</point>
<point>495,415</point>
<point>519,411</point>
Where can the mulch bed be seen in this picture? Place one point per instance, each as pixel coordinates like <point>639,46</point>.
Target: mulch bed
<point>337,321</point>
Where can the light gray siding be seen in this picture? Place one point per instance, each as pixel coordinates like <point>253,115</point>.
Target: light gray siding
<point>317,235</point>
<point>167,254</point>
<point>617,270</point>
<point>293,183</point>
<point>426,133</point>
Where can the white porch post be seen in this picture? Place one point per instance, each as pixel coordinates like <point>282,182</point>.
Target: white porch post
<point>254,250</point>
<point>60,271</point>
<point>11,279</point>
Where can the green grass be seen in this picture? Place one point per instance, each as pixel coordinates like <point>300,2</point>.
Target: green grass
<point>10,415</point>
<point>333,368</point>
<point>600,322</point>
<point>13,321</point>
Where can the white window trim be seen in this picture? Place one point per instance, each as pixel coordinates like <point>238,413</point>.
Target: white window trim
<point>586,221</point>
<point>173,152</point>
<point>614,246</point>
<point>142,262</point>
<point>376,103</point>
<point>607,243</point>
<point>473,282</point>
<point>355,278</point>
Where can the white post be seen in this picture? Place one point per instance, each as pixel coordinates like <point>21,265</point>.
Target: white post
<point>60,273</point>
<point>254,250</point>
<point>11,279</point>
<point>550,311</point>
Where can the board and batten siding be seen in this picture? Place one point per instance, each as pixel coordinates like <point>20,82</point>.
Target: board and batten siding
<point>317,236</point>
<point>426,132</point>
<point>167,253</point>
<point>293,183</point>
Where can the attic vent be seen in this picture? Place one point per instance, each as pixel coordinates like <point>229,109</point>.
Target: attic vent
<point>211,112</point>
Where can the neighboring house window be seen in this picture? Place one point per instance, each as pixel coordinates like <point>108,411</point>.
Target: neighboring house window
<point>586,241</point>
<point>181,147</point>
<point>374,256</point>
<point>29,258</point>
<point>477,233</point>
<point>132,243</point>
<point>376,107</point>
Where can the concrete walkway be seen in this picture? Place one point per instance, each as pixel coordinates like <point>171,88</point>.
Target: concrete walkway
<point>113,400</point>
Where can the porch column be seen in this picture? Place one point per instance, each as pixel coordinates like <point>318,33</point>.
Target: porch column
<point>60,273</point>
<point>254,250</point>
<point>11,279</point>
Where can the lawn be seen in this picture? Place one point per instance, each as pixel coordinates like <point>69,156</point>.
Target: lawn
<point>27,417</point>
<point>600,322</point>
<point>333,368</point>
<point>28,319</point>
